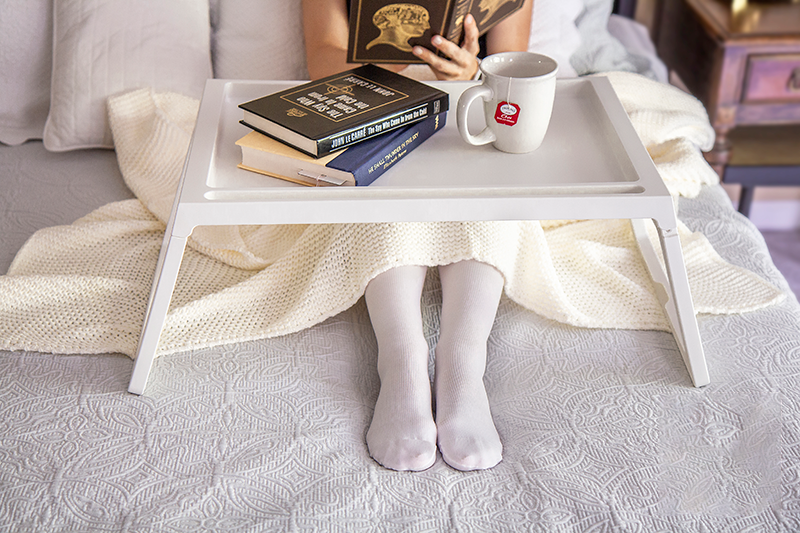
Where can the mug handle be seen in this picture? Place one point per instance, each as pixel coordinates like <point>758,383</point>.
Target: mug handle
<point>462,112</point>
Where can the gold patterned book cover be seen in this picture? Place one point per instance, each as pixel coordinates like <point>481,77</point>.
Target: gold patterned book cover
<point>384,32</point>
<point>332,113</point>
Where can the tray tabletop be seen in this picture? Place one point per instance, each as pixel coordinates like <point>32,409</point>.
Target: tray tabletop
<point>591,152</point>
<point>590,147</point>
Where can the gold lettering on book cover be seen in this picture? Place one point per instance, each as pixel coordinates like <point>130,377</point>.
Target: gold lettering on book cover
<point>294,112</point>
<point>333,89</point>
<point>398,23</point>
<point>342,98</point>
<point>490,7</point>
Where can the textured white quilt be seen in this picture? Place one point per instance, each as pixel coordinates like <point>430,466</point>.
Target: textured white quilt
<point>602,430</point>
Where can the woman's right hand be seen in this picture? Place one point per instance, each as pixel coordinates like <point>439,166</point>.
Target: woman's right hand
<point>461,62</point>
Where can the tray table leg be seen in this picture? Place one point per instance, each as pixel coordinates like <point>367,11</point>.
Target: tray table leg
<point>169,263</point>
<point>673,292</point>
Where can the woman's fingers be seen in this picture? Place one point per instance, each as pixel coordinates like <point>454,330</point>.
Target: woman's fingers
<point>460,62</point>
<point>445,69</point>
<point>470,40</point>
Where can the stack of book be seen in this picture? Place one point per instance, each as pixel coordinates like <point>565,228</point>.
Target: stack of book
<point>345,129</point>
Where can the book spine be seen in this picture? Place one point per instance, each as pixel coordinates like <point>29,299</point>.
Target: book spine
<point>382,125</point>
<point>405,142</point>
<point>456,23</point>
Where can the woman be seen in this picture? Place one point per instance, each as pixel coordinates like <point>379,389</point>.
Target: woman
<point>325,25</point>
<point>403,434</point>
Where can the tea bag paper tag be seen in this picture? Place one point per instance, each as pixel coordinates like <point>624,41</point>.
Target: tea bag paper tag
<point>506,113</point>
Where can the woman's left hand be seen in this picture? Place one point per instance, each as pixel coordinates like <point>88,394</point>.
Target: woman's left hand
<point>463,60</point>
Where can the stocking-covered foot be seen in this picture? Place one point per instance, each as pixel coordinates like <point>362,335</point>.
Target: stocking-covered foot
<point>402,435</point>
<point>468,439</point>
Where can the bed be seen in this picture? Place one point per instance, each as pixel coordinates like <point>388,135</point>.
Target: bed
<point>602,428</point>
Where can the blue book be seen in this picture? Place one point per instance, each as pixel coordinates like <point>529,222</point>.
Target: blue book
<point>360,164</point>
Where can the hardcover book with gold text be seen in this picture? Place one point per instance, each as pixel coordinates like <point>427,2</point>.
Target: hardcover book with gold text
<point>332,113</point>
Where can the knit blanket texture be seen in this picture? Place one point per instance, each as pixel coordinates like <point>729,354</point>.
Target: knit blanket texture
<point>84,288</point>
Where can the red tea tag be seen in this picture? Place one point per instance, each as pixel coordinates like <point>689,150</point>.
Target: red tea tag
<point>506,113</point>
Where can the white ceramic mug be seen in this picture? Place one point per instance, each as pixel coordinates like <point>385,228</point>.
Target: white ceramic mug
<point>518,90</point>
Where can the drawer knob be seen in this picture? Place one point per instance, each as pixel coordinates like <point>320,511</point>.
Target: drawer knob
<point>793,85</point>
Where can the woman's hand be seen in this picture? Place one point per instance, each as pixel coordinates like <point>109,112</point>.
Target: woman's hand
<point>463,60</point>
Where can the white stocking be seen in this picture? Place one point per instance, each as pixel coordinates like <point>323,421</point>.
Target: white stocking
<point>402,435</point>
<point>467,436</point>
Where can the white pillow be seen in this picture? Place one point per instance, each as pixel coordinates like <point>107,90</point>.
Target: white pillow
<point>636,39</point>
<point>600,51</point>
<point>104,47</point>
<point>554,34</point>
<point>258,40</point>
<point>26,46</point>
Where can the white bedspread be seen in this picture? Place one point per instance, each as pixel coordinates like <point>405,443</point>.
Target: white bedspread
<point>602,429</point>
<point>245,283</point>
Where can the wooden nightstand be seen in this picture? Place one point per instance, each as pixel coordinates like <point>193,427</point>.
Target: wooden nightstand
<point>742,60</point>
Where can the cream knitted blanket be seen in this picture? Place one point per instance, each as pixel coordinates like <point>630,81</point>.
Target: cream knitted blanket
<point>83,288</point>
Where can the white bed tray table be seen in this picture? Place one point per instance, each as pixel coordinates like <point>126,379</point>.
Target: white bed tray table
<point>591,165</point>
